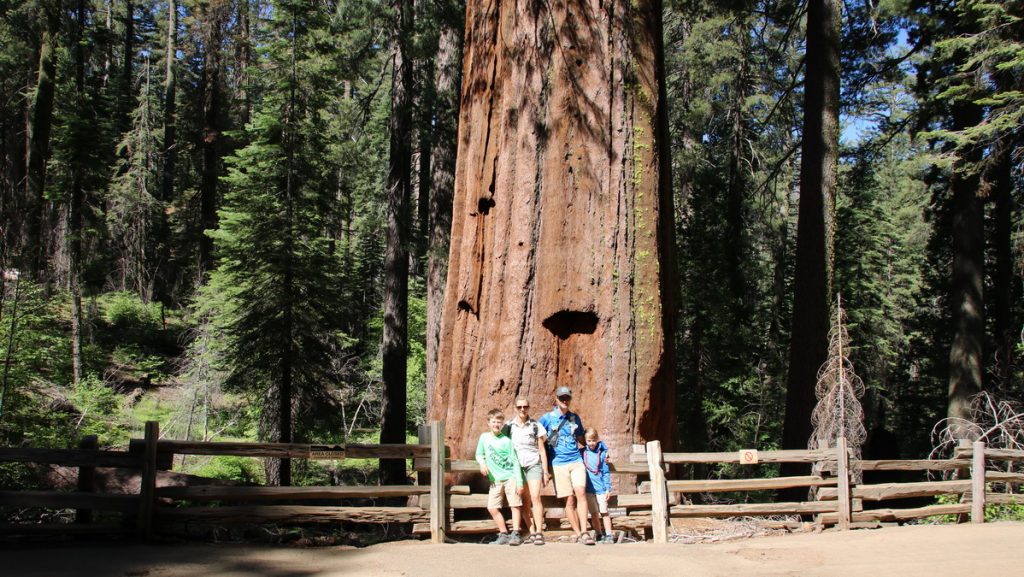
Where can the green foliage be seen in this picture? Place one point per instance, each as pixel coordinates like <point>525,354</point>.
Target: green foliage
<point>241,469</point>
<point>978,59</point>
<point>125,310</point>
<point>881,238</point>
<point>36,366</point>
<point>101,412</point>
<point>733,109</point>
<point>416,373</point>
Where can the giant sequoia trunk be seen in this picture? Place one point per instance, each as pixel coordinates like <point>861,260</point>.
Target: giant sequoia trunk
<point>442,178</point>
<point>812,283</point>
<point>560,269</point>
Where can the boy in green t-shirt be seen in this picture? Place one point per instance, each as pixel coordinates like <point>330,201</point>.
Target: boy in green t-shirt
<point>499,462</point>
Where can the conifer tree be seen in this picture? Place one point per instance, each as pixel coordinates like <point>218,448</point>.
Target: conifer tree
<point>133,211</point>
<point>277,263</point>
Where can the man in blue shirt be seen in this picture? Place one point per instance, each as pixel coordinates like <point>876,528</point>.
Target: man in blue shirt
<point>565,437</point>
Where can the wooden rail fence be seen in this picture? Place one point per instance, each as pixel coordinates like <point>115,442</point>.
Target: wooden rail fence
<point>435,507</point>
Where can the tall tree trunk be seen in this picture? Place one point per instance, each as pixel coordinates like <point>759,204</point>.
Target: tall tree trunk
<point>447,80</point>
<point>425,133</point>
<point>735,229</point>
<point>164,272</point>
<point>966,354</point>
<point>1004,317</point>
<point>170,103</point>
<point>561,266</point>
<point>210,143</point>
<point>128,69</point>
<point>244,53</point>
<point>395,346</point>
<point>808,347</point>
<point>284,411</point>
<point>75,229</point>
<point>38,136</point>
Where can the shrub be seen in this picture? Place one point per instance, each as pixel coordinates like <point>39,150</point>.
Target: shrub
<point>127,311</point>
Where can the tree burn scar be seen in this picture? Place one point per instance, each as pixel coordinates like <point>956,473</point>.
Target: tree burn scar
<point>484,205</point>
<point>564,324</point>
<point>465,306</point>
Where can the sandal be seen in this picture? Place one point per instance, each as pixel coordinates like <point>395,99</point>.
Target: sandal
<point>538,539</point>
<point>586,539</point>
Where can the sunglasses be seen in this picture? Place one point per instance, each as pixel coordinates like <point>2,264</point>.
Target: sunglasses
<point>523,407</point>
<point>565,399</point>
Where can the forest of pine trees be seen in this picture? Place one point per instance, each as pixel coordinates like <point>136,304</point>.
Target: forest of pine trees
<point>233,216</point>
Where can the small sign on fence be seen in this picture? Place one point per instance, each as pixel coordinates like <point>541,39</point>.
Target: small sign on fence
<point>336,452</point>
<point>748,456</point>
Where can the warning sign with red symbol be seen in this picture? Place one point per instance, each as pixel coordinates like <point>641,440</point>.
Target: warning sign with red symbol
<point>748,456</point>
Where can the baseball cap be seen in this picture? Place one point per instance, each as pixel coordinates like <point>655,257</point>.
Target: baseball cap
<point>563,392</point>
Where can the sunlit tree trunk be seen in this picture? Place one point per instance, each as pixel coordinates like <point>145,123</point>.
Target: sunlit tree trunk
<point>561,265</point>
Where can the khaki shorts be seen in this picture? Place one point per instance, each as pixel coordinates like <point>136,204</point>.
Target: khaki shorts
<point>506,488</point>
<point>597,503</point>
<point>568,477</point>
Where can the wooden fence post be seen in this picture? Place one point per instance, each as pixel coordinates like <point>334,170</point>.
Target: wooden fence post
<point>659,492</point>
<point>86,478</point>
<point>438,494</point>
<point>843,477</point>
<point>423,434</point>
<point>978,483</point>
<point>147,487</point>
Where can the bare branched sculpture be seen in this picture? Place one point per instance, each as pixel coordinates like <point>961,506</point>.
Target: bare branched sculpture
<point>1000,424</point>
<point>839,389</point>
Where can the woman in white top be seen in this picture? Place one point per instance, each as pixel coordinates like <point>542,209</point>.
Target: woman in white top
<point>528,437</point>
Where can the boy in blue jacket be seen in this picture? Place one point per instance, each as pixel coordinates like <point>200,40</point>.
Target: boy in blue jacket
<point>599,484</point>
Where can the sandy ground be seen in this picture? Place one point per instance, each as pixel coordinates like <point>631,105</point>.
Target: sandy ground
<point>994,549</point>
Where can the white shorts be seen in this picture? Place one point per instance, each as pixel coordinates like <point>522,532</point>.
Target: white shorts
<point>598,503</point>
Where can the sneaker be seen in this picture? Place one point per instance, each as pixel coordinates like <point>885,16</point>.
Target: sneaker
<point>503,539</point>
<point>608,539</point>
<point>514,539</point>
<point>538,539</point>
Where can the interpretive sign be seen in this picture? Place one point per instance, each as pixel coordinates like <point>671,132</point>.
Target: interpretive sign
<point>327,452</point>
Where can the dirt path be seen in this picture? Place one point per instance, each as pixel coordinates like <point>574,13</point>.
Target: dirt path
<point>994,549</point>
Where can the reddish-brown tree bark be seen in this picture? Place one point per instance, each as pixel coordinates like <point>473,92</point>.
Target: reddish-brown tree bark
<point>442,177</point>
<point>560,270</point>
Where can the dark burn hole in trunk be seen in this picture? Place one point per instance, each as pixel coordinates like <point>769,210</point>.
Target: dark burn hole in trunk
<point>565,323</point>
<point>484,205</point>
<point>465,306</point>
